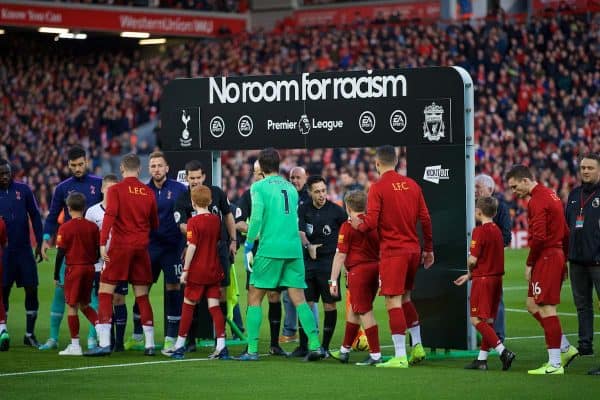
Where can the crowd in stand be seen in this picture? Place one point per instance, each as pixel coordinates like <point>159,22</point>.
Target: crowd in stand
<point>198,5</point>
<point>537,94</point>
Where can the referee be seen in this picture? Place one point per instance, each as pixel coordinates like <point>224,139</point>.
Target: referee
<point>319,223</point>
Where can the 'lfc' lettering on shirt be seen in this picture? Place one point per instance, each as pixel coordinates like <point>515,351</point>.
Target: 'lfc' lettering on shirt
<point>138,191</point>
<point>400,186</point>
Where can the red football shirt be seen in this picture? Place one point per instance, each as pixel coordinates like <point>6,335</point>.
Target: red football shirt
<point>204,231</point>
<point>395,204</point>
<point>79,239</point>
<point>487,246</point>
<point>131,213</point>
<point>359,247</point>
<point>547,224</point>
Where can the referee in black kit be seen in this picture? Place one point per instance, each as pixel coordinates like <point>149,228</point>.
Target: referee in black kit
<point>319,224</point>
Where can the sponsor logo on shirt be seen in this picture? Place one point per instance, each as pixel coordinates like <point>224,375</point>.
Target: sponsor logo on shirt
<point>340,239</point>
<point>435,174</point>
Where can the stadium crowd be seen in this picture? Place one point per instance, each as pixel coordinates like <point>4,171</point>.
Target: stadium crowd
<point>537,94</point>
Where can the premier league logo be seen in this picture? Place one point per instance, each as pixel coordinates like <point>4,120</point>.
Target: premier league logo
<point>596,202</point>
<point>433,127</point>
<point>304,124</point>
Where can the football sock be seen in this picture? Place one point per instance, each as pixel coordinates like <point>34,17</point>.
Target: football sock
<point>412,322</point>
<point>415,334</point>
<point>3,326</point>
<point>399,345</point>
<point>146,316</point>
<point>105,308</point>
<point>137,324</point>
<point>253,321</point>
<point>75,342</point>
<point>274,322</point>
<point>307,320</point>
<point>552,332</point>
<point>180,342</point>
<point>349,334</point>
<point>31,308</point>
<point>372,334</point>
<point>2,311</point>
<point>91,315</point>
<point>218,321</point>
<point>173,306</point>
<point>489,337</point>
<point>103,331</point>
<point>554,357</point>
<point>397,321</point>
<point>538,318</point>
<point>149,336</point>
<point>120,322</point>
<point>93,305</point>
<point>187,313</point>
<point>483,355</point>
<point>73,321</point>
<point>329,322</point>
<point>564,344</point>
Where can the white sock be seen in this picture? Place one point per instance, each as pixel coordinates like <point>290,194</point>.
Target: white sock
<point>3,327</point>
<point>554,357</point>
<point>375,356</point>
<point>75,342</point>
<point>344,350</point>
<point>220,344</point>
<point>399,345</point>
<point>180,342</point>
<point>103,332</point>
<point>500,348</point>
<point>564,344</point>
<point>137,336</point>
<point>415,334</point>
<point>149,334</point>
<point>483,355</point>
<point>169,338</point>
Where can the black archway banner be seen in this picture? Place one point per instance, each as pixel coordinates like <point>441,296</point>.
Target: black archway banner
<point>429,110</point>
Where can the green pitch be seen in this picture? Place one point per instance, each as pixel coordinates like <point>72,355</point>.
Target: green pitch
<point>130,375</point>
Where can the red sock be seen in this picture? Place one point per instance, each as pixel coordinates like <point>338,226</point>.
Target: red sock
<point>350,334</point>
<point>373,339</point>
<point>90,314</point>
<point>218,321</point>
<point>2,309</point>
<point>552,331</point>
<point>538,317</point>
<point>187,314</point>
<point>74,326</point>
<point>397,321</point>
<point>145,310</point>
<point>105,308</point>
<point>410,314</point>
<point>489,337</point>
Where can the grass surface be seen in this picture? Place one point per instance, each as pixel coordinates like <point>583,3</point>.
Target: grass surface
<point>131,375</point>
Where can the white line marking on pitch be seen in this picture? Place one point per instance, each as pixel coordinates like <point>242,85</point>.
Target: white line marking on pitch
<point>50,371</point>
<point>512,288</point>
<point>561,314</point>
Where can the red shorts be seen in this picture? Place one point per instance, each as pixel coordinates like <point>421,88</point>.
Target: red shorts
<point>363,282</point>
<point>195,292</point>
<point>547,277</point>
<point>127,264</point>
<point>398,273</point>
<point>79,281</point>
<point>486,292</point>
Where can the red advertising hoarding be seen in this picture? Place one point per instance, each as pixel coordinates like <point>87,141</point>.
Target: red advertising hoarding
<point>576,6</point>
<point>338,15</point>
<point>119,19</point>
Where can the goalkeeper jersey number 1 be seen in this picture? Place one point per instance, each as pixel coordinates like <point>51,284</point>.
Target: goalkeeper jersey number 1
<point>274,218</point>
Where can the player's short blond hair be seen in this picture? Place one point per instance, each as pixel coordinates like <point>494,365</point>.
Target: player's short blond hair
<point>356,200</point>
<point>201,196</point>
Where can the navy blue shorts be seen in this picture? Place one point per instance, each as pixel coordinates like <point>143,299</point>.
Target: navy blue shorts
<point>168,260</point>
<point>19,267</point>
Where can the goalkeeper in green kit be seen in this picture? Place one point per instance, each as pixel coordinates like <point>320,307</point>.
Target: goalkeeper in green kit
<point>279,261</point>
